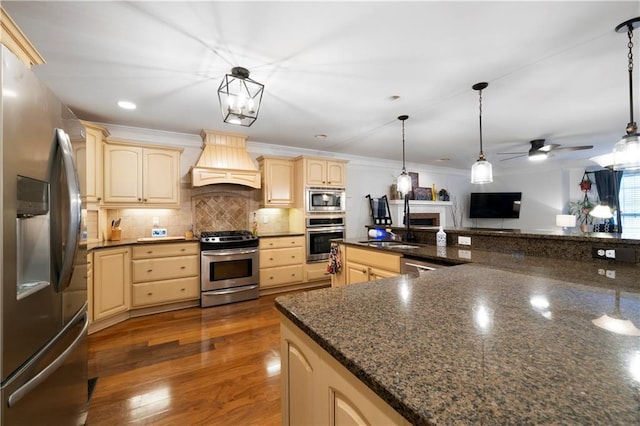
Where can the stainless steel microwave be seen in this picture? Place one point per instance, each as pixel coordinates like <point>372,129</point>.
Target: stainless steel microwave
<point>325,200</point>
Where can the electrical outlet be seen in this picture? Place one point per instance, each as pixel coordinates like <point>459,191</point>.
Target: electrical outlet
<point>602,253</point>
<point>464,254</point>
<point>610,274</point>
<point>464,241</point>
<point>610,254</point>
<point>265,219</point>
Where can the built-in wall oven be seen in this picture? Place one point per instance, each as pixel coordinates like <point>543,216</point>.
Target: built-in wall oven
<point>320,231</point>
<point>229,267</point>
<point>325,200</point>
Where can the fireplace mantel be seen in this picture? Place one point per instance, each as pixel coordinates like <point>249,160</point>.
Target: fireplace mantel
<point>419,206</point>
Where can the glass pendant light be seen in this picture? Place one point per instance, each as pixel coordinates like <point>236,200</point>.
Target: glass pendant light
<point>240,97</point>
<point>626,153</point>
<point>601,211</point>
<point>481,171</point>
<point>403,184</point>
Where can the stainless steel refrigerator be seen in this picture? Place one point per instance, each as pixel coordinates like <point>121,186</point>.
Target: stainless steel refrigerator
<point>44,320</point>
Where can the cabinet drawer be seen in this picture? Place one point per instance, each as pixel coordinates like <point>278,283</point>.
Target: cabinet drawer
<point>281,257</point>
<point>165,268</point>
<point>281,242</point>
<point>387,261</point>
<point>281,275</point>
<point>147,251</point>
<point>316,271</point>
<point>165,291</point>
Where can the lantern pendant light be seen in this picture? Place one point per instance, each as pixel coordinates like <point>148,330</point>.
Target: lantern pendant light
<point>626,153</point>
<point>481,171</point>
<point>240,97</point>
<point>403,184</point>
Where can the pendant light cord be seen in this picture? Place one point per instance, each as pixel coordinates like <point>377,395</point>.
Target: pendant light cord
<point>631,127</point>
<point>480,121</point>
<point>403,167</point>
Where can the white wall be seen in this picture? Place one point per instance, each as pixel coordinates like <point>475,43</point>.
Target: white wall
<point>546,189</point>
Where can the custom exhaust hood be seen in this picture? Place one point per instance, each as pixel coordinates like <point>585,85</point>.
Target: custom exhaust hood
<point>224,159</point>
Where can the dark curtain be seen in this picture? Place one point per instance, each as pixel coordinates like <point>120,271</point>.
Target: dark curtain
<point>608,185</point>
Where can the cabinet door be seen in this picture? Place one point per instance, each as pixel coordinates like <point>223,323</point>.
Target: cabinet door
<point>377,273</point>
<point>335,174</point>
<point>315,172</point>
<point>111,282</point>
<point>161,176</point>
<point>278,183</point>
<point>122,174</point>
<point>93,176</point>
<point>356,273</point>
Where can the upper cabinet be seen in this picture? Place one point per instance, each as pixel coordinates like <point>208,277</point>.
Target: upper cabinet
<point>88,156</point>
<point>277,181</point>
<point>323,172</point>
<point>141,175</point>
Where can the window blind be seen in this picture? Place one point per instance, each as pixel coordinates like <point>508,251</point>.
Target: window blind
<point>630,204</point>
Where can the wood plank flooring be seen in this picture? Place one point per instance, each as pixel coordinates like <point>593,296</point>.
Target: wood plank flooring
<point>212,366</point>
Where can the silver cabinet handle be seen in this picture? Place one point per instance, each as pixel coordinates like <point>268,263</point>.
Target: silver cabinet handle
<point>49,369</point>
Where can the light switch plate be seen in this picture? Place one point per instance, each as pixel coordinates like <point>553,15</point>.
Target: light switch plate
<point>159,232</point>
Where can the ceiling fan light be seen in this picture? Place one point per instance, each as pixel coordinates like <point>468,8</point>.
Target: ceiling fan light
<point>403,185</point>
<point>481,172</point>
<point>601,211</point>
<point>537,156</point>
<point>626,153</point>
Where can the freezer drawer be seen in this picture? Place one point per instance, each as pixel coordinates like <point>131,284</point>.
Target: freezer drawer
<point>52,388</point>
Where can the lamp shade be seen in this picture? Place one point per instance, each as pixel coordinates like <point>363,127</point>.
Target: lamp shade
<point>240,97</point>
<point>481,171</point>
<point>601,211</point>
<point>626,153</point>
<point>565,220</point>
<point>403,185</point>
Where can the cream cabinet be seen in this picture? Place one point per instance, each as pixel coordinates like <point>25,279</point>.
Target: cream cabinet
<point>165,273</point>
<point>281,261</point>
<point>89,162</point>
<point>317,389</point>
<point>277,181</point>
<point>323,172</point>
<point>141,175</point>
<point>111,282</point>
<point>369,265</point>
<point>15,40</point>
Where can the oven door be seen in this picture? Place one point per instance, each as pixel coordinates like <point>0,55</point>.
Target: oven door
<point>228,268</point>
<point>319,241</point>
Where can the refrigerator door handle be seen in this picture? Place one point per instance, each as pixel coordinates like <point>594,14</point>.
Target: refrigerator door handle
<point>49,369</point>
<point>75,206</point>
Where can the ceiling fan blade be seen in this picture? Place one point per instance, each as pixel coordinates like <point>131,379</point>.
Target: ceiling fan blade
<point>574,148</point>
<point>516,156</point>
<point>511,153</point>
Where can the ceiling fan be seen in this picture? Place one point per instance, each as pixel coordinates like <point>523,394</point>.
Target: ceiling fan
<point>540,151</point>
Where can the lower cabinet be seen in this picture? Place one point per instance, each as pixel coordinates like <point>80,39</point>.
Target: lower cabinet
<point>163,273</point>
<point>281,261</point>
<point>111,282</point>
<point>369,265</point>
<point>317,389</point>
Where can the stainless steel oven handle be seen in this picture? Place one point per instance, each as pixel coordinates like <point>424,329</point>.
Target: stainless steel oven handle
<point>212,253</point>
<point>312,230</point>
<point>232,290</point>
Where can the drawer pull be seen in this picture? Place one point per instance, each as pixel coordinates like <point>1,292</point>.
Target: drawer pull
<point>149,294</point>
<point>270,278</point>
<point>183,289</point>
<point>149,270</point>
<point>293,275</point>
<point>271,258</point>
<point>183,267</point>
<point>182,249</point>
<point>149,251</point>
<point>293,256</point>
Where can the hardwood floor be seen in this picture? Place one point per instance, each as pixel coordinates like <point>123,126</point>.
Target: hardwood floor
<point>212,366</point>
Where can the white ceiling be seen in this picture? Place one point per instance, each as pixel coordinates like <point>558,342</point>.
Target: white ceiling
<point>556,70</point>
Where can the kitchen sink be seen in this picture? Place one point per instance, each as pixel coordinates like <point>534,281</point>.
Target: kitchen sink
<point>391,244</point>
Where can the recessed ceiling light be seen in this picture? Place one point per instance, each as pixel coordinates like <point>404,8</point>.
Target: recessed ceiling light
<point>126,105</point>
<point>320,136</point>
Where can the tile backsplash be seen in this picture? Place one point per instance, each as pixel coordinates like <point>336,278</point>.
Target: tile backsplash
<point>213,207</point>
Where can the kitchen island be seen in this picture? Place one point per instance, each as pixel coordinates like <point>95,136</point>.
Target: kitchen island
<point>510,339</point>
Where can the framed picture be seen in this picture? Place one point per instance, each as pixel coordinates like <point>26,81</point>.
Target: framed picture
<point>422,194</point>
<point>414,184</point>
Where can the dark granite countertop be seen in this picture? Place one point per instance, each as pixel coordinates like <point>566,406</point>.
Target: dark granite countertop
<point>280,234</point>
<point>133,241</point>
<point>507,339</point>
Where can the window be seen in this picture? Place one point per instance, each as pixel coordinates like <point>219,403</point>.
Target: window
<point>630,204</point>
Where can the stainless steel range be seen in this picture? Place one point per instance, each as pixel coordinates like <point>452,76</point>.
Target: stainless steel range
<point>229,267</point>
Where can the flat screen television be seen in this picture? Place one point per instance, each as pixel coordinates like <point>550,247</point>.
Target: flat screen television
<point>495,205</point>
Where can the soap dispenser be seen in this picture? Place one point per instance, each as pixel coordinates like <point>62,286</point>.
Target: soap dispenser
<point>441,238</point>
